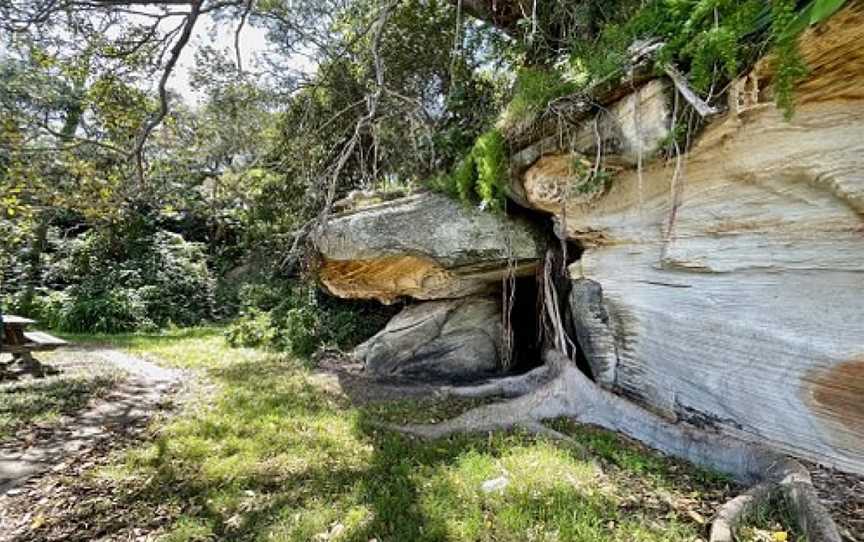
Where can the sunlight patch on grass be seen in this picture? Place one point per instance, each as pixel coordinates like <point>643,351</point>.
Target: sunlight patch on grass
<point>44,402</point>
<point>188,348</point>
<point>272,453</point>
<point>546,489</point>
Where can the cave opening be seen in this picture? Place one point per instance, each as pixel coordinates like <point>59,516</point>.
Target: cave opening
<point>525,320</point>
<point>529,320</point>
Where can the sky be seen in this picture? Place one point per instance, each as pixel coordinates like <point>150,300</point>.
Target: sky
<point>253,42</point>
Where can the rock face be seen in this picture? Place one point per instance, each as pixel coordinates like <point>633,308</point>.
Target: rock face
<point>425,246</point>
<point>729,291</point>
<point>627,132</point>
<point>452,339</point>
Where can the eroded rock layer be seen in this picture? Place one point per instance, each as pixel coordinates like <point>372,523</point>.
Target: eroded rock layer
<point>727,289</point>
<point>426,246</point>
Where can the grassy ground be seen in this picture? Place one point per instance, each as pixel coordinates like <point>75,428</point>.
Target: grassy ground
<point>44,403</point>
<point>273,451</point>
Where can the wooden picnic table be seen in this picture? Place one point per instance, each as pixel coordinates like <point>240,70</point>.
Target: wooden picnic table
<point>22,343</point>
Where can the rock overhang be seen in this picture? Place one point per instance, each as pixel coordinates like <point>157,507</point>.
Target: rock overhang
<point>424,246</point>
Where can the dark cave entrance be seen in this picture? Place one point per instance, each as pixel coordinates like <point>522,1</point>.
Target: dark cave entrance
<point>525,320</point>
<point>528,318</point>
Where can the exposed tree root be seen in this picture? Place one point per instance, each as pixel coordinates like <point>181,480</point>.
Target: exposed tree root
<point>731,513</point>
<point>510,386</point>
<point>563,391</point>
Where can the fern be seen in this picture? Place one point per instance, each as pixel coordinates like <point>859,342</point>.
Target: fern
<point>490,158</point>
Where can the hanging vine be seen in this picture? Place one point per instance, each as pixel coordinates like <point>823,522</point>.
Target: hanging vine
<point>508,298</point>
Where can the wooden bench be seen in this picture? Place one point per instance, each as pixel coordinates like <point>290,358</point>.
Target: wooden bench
<point>21,344</point>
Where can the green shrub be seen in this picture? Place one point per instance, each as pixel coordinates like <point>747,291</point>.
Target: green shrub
<point>534,89</point>
<point>107,284</point>
<point>303,320</point>
<point>464,178</point>
<point>490,157</point>
<point>479,177</point>
<point>712,40</point>
<point>113,310</point>
<point>302,331</point>
<point>253,328</point>
<point>445,184</point>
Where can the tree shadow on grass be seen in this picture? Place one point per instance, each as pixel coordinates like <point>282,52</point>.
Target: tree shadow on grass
<point>282,503</point>
<point>274,456</point>
<point>385,496</point>
<point>27,402</point>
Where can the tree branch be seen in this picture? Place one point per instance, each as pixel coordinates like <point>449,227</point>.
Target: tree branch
<point>191,19</point>
<point>692,98</point>
<point>243,17</point>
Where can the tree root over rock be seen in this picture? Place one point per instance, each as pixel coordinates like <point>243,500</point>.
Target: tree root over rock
<point>559,389</point>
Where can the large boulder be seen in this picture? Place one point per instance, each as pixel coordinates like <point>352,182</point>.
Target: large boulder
<point>425,246</point>
<point>729,291</point>
<point>452,339</point>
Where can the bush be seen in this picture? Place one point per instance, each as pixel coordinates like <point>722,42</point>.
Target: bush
<point>479,178</point>
<point>253,328</point>
<point>464,178</point>
<point>490,157</point>
<point>303,320</point>
<point>113,310</point>
<point>105,286</point>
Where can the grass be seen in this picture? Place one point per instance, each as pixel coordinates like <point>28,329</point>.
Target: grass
<point>773,521</point>
<point>272,451</point>
<point>186,348</point>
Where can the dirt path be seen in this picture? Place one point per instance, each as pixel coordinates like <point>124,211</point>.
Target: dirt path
<point>133,400</point>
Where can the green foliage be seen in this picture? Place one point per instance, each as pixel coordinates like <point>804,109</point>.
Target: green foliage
<point>254,328</point>
<point>711,40</point>
<point>90,308</point>
<point>534,89</point>
<point>490,158</point>
<point>464,178</point>
<point>789,67</point>
<point>704,36</point>
<point>105,283</point>
<point>822,9</point>
<point>444,183</point>
<point>478,179</point>
<point>297,319</point>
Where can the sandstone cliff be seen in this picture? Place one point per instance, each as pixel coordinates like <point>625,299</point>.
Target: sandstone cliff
<point>729,290</point>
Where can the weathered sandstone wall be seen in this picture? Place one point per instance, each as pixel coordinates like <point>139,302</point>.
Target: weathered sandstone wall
<point>732,286</point>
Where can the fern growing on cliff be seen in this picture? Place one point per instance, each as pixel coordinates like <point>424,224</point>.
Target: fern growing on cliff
<point>478,179</point>
<point>713,41</point>
<point>490,157</point>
